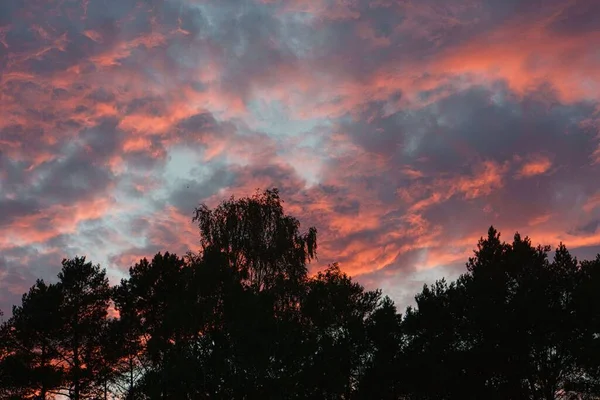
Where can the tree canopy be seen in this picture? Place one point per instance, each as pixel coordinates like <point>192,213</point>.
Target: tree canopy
<point>243,319</point>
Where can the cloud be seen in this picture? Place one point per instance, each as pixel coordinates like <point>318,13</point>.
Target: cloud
<point>402,130</point>
<point>536,165</point>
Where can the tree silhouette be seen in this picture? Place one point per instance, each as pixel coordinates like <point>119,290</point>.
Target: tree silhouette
<point>260,242</point>
<point>32,364</point>
<point>85,295</point>
<point>507,329</point>
<point>586,318</point>
<point>153,318</point>
<point>242,319</point>
<point>381,378</point>
<point>125,340</point>
<point>337,310</point>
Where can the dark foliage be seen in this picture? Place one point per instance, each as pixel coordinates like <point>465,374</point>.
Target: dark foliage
<point>242,319</point>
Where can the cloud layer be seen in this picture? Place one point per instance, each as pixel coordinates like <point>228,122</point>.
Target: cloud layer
<point>401,129</point>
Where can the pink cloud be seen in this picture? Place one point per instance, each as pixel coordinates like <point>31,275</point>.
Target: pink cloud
<point>486,177</point>
<point>592,203</point>
<point>357,69</point>
<point>536,165</point>
<point>56,220</point>
<point>526,56</point>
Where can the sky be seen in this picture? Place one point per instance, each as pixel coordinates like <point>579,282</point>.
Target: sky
<point>401,129</point>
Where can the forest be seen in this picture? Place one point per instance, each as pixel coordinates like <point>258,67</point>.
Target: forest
<point>242,318</point>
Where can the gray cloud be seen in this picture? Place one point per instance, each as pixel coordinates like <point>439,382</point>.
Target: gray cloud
<point>82,79</point>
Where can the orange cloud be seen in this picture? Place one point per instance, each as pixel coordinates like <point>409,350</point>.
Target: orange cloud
<point>486,177</point>
<point>596,156</point>
<point>527,56</point>
<point>53,221</point>
<point>148,89</point>
<point>592,203</point>
<point>536,165</point>
<point>540,219</point>
<point>122,50</point>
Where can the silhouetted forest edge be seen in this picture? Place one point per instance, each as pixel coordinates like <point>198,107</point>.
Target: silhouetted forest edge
<point>242,319</point>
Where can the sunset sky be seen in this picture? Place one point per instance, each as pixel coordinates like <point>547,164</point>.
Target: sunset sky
<point>401,129</point>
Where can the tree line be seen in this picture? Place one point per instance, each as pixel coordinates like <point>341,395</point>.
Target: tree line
<point>243,319</point>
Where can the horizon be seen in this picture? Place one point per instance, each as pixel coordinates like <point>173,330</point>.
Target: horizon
<point>400,130</point>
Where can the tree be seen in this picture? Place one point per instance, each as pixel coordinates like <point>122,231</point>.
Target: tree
<point>152,315</point>
<point>586,316</point>
<point>54,338</point>
<point>32,364</point>
<point>507,329</point>
<point>336,311</point>
<point>124,341</point>
<point>261,242</point>
<point>439,356</point>
<point>381,378</point>
<point>85,295</point>
<point>242,319</point>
